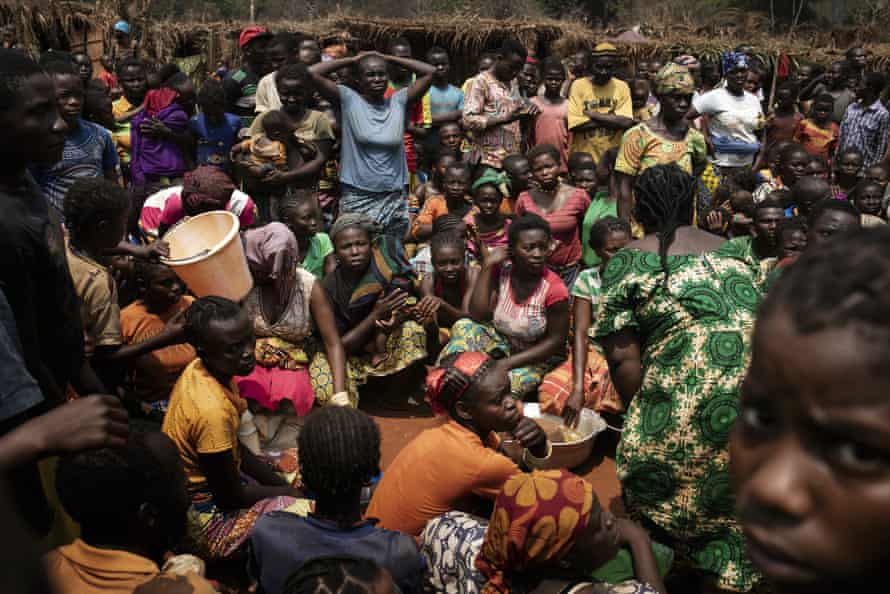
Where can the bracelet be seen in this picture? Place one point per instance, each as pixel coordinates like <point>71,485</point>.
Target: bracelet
<point>535,463</point>
<point>340,399</point>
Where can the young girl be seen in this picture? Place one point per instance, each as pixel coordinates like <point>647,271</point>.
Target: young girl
<point>301,213</point>
<point>448,285</point>
<point>561,205</point>
<point>867,197</point>
<point>454,200</point>
<point>583,380</point>
<point>551,123</point>
<point>434,187</point>
<point>847,167</point>
<point>820,340</point>
<point>485,221</point>
<point>818,133</point>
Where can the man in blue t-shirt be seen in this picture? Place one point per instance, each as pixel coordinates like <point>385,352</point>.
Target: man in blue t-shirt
<point>89,148</point>
<point>446,100</point>
<point>215,130</point>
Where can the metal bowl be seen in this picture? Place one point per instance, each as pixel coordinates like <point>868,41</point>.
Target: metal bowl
<point>565,454</point>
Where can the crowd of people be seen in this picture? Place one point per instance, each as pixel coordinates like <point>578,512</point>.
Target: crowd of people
<point>696,255</point>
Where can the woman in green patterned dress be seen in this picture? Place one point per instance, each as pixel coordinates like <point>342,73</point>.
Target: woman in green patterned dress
<point>674,319</point>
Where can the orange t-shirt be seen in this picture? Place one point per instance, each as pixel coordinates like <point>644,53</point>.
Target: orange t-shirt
<point>436,206</point>
<point>435,473</point>
<point>155,373</point>
<point>816,140</point>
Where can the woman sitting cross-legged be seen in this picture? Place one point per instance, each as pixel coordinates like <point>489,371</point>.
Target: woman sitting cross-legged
<point>369,291</point>
<point>519,308</point>
<point>447,467</point>
<point>547,534</point>
<point>203,420</point>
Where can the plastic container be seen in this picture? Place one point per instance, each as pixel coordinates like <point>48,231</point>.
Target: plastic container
<point>207,254</point>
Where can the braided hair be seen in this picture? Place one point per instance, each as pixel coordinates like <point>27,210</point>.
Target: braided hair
<point>339,452</point>
<point>664,201</point>
<point>604,227</point>
<point>448,239</point>
<point>205,311</point>
<point>840,285</point>
<point>333,575</point>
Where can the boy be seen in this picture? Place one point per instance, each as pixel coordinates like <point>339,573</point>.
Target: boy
<point>818,133</point>
<point>550,125</point>
<point>215,130</point>
<point>454,200</point>
<point>445,100</point>
<point>782,123</point>
<point>89,148</point>
<point>639,98</point>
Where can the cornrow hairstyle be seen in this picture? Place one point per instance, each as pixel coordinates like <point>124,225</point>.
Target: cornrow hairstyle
<point>664,202</point>
<point>828,205</point>
<point>212,93</point>
<point>447,363</point>
<point>447,222</point>
<point>90,200</point>
<point>447,239</point>
<point>292,201</point>
<point>333,575</point>
<point>15,68</point>
<point>543,149</point>
<point>840,285</point>
<point>604,227</point>
<point>204,312</point>
<point>529,221</point>
<point>339,452</point>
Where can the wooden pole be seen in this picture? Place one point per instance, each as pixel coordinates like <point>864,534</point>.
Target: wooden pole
<point>252,10</point>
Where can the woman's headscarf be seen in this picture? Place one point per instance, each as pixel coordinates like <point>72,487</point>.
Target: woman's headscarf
<point>272,250</point>
<point>733,61</point>
<point>691,62</point>
<point>206,187</point>
<point>348,220</point>
<point>446,385</point>
<point>673,78</point>
<point>537,518</point>
<point>496,178</point>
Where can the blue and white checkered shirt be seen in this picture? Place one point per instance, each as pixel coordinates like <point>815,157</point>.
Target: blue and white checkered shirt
<point>866,129</point>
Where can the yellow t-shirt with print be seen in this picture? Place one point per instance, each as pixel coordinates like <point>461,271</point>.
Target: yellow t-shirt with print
<point>611,98</point>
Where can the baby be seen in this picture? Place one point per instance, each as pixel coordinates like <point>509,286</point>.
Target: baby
<point>269,152</point>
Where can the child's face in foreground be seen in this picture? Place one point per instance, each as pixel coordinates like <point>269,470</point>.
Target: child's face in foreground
<point>488,200</point>
<point>869,198</point>
<point>810,459</point>
<point>817,168</point>
<point>230,347</point>
<point>448,261</point>
<point>793,243</point>
<point>163,289</point>
<point>614,242</point>
<point>450,137</point>
<point>277,132</point>
<point>849,164</point>
<point>878,174</point>
<point>585,179</point>
<point>456,183</point>
<point>553,80</point>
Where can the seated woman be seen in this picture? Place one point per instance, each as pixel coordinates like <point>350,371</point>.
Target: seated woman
<point>561,205</point>
<point>369,292</point>
<point>519,308</point>
<point>161,299</point>
<point>444,468</point>
<point>301,213</point>
<point>583,380</point>
<point>162,145</point>
<point>339,455</point>
<point>286,306</point>
<point>448,286</point>
<point>203,420</point>
<point>203,189</point>
<point>548,533</point>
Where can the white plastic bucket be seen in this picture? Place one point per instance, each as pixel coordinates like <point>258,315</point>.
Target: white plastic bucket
<point>207,254</point>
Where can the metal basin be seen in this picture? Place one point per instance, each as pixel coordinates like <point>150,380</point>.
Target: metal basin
<point>565,454</point>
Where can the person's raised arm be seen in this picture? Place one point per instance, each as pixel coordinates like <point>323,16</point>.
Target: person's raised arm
<point>482,296</point>
<point>319,73</point>
<point>327,328</point>
<point>553,342</point>
<point>622,350</point>
<point>424,79</point>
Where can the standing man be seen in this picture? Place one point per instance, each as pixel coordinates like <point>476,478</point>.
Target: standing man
<point>241,85</point>
<point>867,122</point>
<point>493,107</point>
<point>600,106</point>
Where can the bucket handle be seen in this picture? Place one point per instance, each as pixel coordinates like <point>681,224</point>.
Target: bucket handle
<point>203,252</point>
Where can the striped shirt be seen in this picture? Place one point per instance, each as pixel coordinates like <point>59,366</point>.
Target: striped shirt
<point>866,129</point>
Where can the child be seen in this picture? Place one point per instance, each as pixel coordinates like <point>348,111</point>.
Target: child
<point>807,192</point>
<point>519,173</point>
<point>551,124</point>
<point>818,352</point>
<point>847,168</point>
<point>818,167</point>
<point>602,203</point>
<point>447,285</point>
<point>583,380</point>
<point>97,106</point>
<point>640,91</point>
<point>451,139</point>
<point>487,224</point>
<point>96,218</point>
<point>161,298</point>
<point>301,213</point>
<point>268,152</point>
<point>880,174</point>
<point>819,133</point>
<point>454,199</point>
<point>422,262</point>
<point>867,197</point>
<point>783,122</point>
<point>215,130</point>
<point>793,161</point>
<point>434,186</point>
<point>792,238</point>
